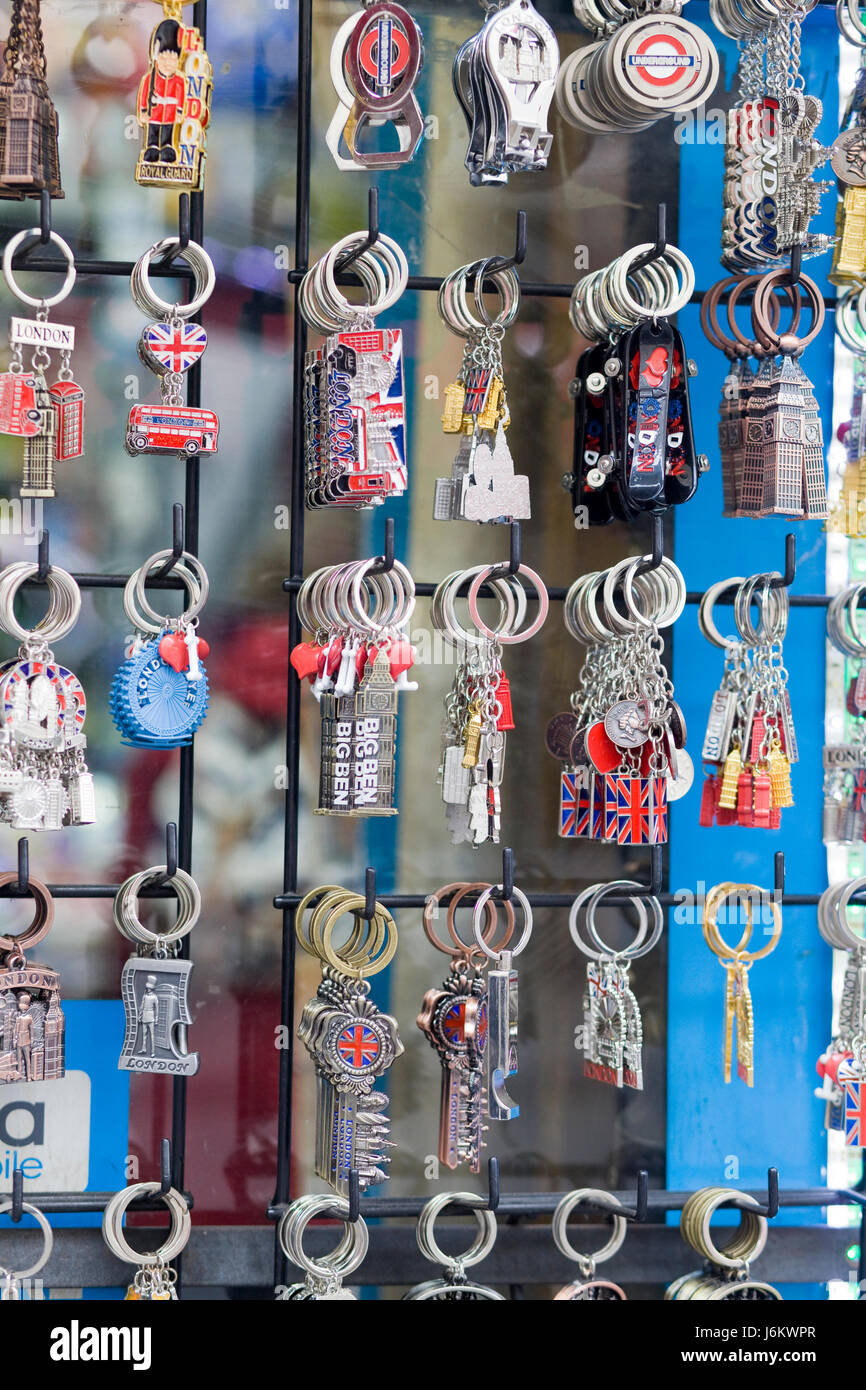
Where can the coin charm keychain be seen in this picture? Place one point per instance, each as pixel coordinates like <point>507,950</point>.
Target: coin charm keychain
<point>173,104</point>
<point>44,779</point>
<point>154,1279</point>
<point>154,984</point>
<point>453,1284</point>
<point>588,1288</point>
<point>29,159</point>
<point>323,1277</point>
<point>32,1024</point>
<point>376,59</point>
<point>169,347</point>
<point>737,962</point>
<point>351,1042</point>
<point>453,1019</point>
<point>50,419</point>
<point>159,695</point>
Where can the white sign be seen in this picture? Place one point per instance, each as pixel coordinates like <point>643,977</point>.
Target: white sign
<point>39,333</point>
<point>45,1131</point>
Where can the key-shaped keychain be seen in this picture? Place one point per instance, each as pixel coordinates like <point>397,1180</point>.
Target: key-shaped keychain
<point>50,418</point>
<point>737,961</point>
<point>453,1018</point>
<point>502,1005</point>
<point>173,104</point>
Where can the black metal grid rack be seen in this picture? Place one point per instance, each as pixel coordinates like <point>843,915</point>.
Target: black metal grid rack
<point>79,1251</point>
<point>525,1253</point>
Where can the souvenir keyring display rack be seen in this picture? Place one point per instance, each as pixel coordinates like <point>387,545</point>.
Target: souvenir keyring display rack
<point>72,1253</point>
<point>393,1258</point>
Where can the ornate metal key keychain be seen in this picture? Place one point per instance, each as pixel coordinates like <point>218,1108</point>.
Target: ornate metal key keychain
<point>44,779</point>
<point>50,419</point>
<point>154,985</point>
<point>502,1005</point>
<point>32,1025</point>
<point>154,1277</point>
<point>376,58</point>
<point>453,1018</point>
<point>350,1041</point>
<point>169,347</point>
<point>28,121</point>
<point>159,696</point>
<point>173,104</point>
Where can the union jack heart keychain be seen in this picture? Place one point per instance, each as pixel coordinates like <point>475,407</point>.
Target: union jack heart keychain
<point>50,419</point>
<point>170,347</point>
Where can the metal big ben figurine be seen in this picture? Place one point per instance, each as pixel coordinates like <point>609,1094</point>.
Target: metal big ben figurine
<point>173,104</point>
<point>28,122</point>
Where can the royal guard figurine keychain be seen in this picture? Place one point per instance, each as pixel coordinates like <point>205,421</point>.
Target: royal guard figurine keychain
<point>173,104</point>
<point>50,419</point>
<point>169,347</point>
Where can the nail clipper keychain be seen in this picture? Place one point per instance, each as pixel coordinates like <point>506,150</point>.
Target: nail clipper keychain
<point>44,779</point>
<point>502,1005</point>
<point>169,348</point>
<point>173,104</point>
<point>376,58</point>
<point>159,696</point>
<point>32,1024</point>
<point>49,418</point>
<point>154,985</point>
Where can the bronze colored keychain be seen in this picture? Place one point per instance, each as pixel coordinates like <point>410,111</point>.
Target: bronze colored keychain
<point>737,962</point>
<point>453,1018</point>
<point>725,1276</point>
<point>29,161</point>
<point>32,1025</point>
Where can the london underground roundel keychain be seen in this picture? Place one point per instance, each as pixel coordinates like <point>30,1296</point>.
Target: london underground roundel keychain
<point>159,696</point>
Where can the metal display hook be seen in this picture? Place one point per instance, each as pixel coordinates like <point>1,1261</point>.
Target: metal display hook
<point>768,1209</point>
<point>177,533</point>
<point>658,250</point>
<point>349,257</point>
<point>498,263</point>
<point>789,575</point>
<point>354,1195</point>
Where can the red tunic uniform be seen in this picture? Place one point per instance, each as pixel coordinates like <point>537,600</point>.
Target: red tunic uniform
<point>167,103</point>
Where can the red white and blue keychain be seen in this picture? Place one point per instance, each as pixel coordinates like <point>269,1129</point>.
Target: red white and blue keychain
<point>159,695</point>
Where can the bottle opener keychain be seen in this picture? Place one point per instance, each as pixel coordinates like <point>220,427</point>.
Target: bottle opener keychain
<point>502,1005</point>
<point>44,779</point>
<point>169,348</point>
<point>50,419</point>
<point>154,985</point>
<point>159,696</point>
<point>376,58</point>
<point>32,1024</point>
<point>173,104</point>
<point>29,160</point>
<point>154,1278</point>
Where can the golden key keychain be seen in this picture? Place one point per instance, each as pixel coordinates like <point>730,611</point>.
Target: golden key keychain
<point>737,962</point>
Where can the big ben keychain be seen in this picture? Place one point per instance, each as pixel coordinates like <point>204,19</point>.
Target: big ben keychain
<point>173,104</point>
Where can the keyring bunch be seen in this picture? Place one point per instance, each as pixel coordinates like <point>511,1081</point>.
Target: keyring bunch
<point>159,696</point>
<point>726,1274</point>
<point>770,432</point>
<point>611,1035</point>
<point>634,446</point>
<point>36,1030</point>
<point>501,1000</point>
<point>350,1041</point>
<point>842,1065</point>
<point>737,962</point>
<point>483,485</point>
<point>624,81</point>
<point>169,346</point>
<point>844,818</point>
<point>49,418</point>
<point>356,664</point>
<point>323,1277</point>
<point>155,982</point>
<point>750,742</point>
<point>154,1277</point>
<point>454,1020</point>
<point>622,743</point>
<point>588,1288</point>
<point>453,1284</point>
<point>354,407</point>
<point>478,705</point>
<point>44,781</point>
<point>11,1279</point>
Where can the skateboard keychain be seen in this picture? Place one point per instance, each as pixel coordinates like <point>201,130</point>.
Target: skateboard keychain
<point>50,419</point>
<point>159,696</point>
<point>169,347</point>
<point>173,104</point>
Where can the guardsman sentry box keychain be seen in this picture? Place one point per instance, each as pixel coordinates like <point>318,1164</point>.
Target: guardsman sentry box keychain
<point>173,104</point>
